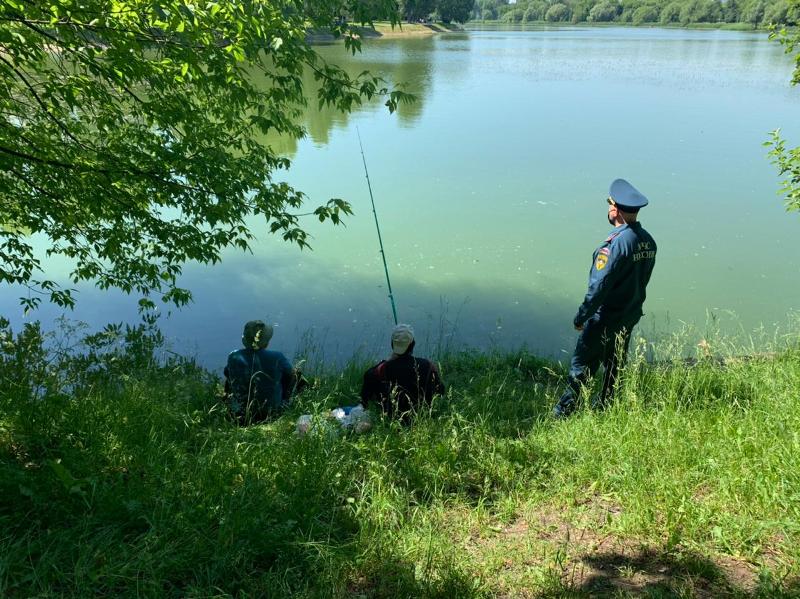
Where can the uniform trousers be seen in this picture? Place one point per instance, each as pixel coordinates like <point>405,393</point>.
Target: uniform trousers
<point>599,344</point>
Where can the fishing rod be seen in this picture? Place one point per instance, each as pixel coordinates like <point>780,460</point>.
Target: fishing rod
<point>378,228</point>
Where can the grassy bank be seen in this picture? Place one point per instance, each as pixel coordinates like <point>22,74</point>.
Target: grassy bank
<point>120,475</point>
<point>385,30</point>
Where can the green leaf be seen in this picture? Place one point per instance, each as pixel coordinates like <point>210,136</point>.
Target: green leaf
<point>126,134</point>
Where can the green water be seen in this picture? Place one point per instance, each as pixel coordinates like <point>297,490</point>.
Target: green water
<point>491,194</point>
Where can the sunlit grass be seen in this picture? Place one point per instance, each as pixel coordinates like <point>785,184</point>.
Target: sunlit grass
<point>120,474</point>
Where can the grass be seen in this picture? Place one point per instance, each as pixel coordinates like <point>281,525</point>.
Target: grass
<point>121,475</point>
<point>385,30</point>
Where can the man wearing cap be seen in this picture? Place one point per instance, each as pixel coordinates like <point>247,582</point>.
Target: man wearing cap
<point>258,382</point>
<point>403,383</point>
<point>621,269</point>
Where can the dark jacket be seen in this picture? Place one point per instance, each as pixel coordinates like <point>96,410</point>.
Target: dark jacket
<point>401,385</point>
<point>258,383</point>
<point>621,269</point>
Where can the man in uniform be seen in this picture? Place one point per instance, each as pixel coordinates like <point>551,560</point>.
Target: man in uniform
<point>621,269</point>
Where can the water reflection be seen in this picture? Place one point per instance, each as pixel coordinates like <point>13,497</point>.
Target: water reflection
<point>407,64</point>
<point>349,314</point>
<point>491,191</point>
<point>329,318</point>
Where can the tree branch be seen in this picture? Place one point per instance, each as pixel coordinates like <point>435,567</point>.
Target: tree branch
<point>81,57</point>
<point>41,103</point>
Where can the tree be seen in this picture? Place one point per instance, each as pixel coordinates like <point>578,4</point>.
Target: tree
<point>413,10</point>
<point>580,10</point>
<point>700,11</point>
<point>557,12</point>
<point>513,15</point>
<point>753,13</point>
<point>603,12</point>
<point>535,11</point>
<point>645,14</point>
<point>627,8</point>
<point>776,13</point>
<point>788,159</point>
<point>457,11</point>
<point>730,11</point>
<point>133,133</point>
<point>671,13</point>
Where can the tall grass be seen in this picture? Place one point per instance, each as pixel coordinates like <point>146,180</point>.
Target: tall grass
<point>120,474</point>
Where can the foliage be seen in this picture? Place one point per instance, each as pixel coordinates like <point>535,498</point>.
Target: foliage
<point>133,134</point>
<point>671,13</point>
<point>458,11</point>
<point>788,159</point>
<point>603,11</point>
<point>756,13</point>
<point>788,163</point>
<point>730,11</point>
<point>514,15</point>
<point>121,475</point>
<point>488,9</point>
<point>701,11</point>
<point>753,13</point>
<point>535,11</point>
<point>413,10</point>
<point>775,14</point>
<point>557,12</point>
<point>448,11</point>
<point>645,14</point>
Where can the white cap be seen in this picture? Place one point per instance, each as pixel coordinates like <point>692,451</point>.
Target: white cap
<point>402,336</point>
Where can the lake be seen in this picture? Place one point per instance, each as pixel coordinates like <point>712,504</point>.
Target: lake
<point>491,190</point>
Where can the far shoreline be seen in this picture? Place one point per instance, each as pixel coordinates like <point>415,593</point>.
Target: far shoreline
<point>522,26</point>
<point>385,30</point>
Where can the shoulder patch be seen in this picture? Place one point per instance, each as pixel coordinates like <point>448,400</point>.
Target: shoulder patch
<point>601,261</point>
<point>604,250</point>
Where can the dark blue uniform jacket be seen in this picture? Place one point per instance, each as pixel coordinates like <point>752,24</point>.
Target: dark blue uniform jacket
<point>621,268</point>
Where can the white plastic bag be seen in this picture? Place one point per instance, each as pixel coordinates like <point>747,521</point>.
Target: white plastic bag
<point>356,419</point>
<point>304,424</point>
<point>348,418</point>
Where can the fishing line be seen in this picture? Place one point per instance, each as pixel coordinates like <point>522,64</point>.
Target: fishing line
<point>378,228</point>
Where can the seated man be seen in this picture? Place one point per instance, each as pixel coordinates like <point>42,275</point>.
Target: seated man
<point>258,382</point>
<point>403,383</point>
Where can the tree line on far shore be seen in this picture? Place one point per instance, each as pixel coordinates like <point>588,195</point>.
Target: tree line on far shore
<point>448,11</point>
<point>755,13</point>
